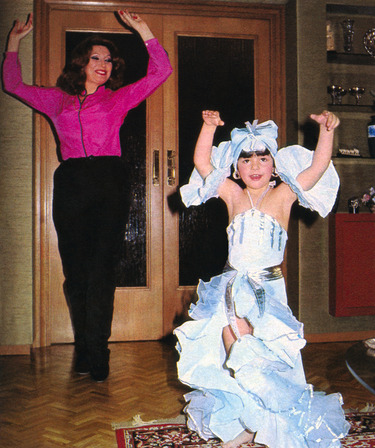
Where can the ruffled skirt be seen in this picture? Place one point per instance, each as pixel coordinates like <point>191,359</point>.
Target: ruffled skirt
<point>261,385</point>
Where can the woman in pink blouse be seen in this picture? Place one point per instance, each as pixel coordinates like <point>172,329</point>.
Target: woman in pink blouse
<point>91,192</point>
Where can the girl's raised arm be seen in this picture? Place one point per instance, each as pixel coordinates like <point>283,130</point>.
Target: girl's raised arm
<point>202,152</point>
<point>328,122</point>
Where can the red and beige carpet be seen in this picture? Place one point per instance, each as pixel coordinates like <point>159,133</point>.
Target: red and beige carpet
<point>175,434</point>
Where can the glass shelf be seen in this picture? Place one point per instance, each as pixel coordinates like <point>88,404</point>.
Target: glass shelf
<point>347,160</point>
<point>350,9</point>
<point>350,58</point>
<point>366,108</point>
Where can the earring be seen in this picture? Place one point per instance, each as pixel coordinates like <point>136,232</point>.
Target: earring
<point>236,175</point>
<point>275,173</point>
<point>272,184</point>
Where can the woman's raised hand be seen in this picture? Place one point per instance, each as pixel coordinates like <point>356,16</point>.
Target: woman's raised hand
<point>19,30</point>
<point>134,21</point>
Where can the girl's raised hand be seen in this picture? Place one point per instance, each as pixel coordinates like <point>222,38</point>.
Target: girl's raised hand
<point>212,118</point>
<point>326,119</point>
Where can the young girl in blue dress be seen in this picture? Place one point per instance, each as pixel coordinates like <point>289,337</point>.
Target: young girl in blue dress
<point>241,350</point>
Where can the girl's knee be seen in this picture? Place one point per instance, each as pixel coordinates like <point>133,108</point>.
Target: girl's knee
<point>244,327</point>
<point>228,337</point>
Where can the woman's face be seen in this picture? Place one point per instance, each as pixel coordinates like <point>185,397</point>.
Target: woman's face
<point>99,68</point>
<point>255,170</point>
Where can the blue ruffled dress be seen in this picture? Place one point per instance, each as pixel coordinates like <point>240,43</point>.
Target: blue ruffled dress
<point>261,385</point>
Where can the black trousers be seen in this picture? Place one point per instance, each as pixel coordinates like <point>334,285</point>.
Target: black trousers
<point>90,211</point>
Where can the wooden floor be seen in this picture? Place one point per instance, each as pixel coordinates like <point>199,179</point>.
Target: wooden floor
<point>44,404</point>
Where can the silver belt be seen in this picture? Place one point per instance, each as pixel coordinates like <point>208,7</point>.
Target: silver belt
<point>255,280</point>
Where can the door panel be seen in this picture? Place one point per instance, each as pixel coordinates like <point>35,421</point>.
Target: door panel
<point>214,73</point>
<point>223,65</point>
<point>139,293</point>
<point>132,269</point>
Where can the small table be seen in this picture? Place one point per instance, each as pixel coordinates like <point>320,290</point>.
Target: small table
<point>361,365</point>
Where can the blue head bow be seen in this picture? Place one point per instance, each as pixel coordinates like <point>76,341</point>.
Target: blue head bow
<point>245,138</point>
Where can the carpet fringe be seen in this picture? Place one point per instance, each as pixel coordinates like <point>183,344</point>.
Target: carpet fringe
<point>370,407</point>
<point>137,422</point>
<point>181,419</point>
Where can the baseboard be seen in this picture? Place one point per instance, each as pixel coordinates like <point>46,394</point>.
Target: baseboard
<point>340,337</point>
<point>15,349</point>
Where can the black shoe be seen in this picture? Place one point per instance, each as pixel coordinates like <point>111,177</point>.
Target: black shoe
<point>99,372</point>
<point>99,366</point>
<point>81,364</point>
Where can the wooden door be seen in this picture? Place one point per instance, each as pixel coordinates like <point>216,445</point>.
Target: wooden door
<point>154,300</point>
<point>138,307</point>
<point>230,64</point>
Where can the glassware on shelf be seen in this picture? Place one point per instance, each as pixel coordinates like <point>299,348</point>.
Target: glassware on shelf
<point>336,92</point>
<point>369,42</point>
<point>348,34</point>
<point>330,36</point>
<point>353,205</point>
<point>340,94</point>
<point>332,91</point>
<point>357,92</point>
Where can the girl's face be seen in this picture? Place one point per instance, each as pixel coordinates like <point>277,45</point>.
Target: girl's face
<point>99,68</point>
<point>255,170</point>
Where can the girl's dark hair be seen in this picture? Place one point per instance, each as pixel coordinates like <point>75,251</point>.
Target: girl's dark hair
<point>73,78</point>
<point>245,154</point>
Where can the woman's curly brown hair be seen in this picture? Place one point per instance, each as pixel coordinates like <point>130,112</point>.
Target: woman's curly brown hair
<point>73,78</point>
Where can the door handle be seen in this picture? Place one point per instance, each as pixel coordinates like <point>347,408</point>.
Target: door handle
<point>171,164</point>
<point>156,168</point>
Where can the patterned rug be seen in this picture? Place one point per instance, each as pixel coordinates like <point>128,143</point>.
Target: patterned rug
<point>176,435</point>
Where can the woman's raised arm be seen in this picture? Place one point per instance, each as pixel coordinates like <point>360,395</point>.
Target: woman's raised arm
<point>18,32</point>
<point>134,21</point>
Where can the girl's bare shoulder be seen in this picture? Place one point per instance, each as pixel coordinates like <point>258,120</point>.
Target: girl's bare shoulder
<point>284,193</point>
<point>233,196</point>
<point>278,204</point>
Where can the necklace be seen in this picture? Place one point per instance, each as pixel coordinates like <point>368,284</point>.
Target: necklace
<point>260,199</point>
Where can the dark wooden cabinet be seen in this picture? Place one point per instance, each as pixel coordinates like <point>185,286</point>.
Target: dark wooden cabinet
<point>352,264</point>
